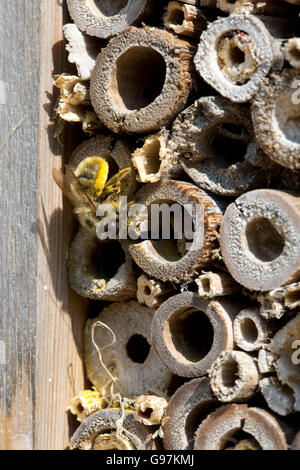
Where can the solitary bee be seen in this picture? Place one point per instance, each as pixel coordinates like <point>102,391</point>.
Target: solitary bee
<point>89,186</point>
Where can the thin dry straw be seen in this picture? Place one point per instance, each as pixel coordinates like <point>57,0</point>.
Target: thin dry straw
<point>114,396</point>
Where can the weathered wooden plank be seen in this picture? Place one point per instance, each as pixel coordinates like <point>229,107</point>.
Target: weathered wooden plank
<point>41,320</point>
<point>60,313</point>
<point>19,71</point>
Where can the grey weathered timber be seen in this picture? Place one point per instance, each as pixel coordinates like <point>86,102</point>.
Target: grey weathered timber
<point>40,318</point>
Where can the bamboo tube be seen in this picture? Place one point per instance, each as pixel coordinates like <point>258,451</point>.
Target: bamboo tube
<point>100,270</point>
<point>260,239</point>
<point>149,409</point>
<point>105,18</point>
<point>279,397</point>
<point>189,333</point>
<point>141,80</point>
<point>250,331</point>
<point>275,114</point>
<point>100,432</point>
<point>236,53</point>
<point>188,407</point>
<point>154,160</point>
<point>215,432</point>
<point>184,19</point>
<point>234,376</point>
<point>214,139</point>
<point>212,285</point>
<point>152,292</point>
<point>131,359</point>
<point>175,260</point>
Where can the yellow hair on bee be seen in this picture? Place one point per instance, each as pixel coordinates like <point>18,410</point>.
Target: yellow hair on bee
<point>93,173</point>
<point>101,178</point>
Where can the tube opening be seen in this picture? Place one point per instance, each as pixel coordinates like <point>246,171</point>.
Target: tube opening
<point>106,7</point>
<point>146,414</point>
<point>105,260</point>
<point>236,57</point>
<point>264,241</point>
<point>171,229</point>
<point>147,290</point>
<point>190,335</point>
<point>230,373</point>
<point>195,418</point>
<point>249,330</point>
<point>138,348</point>
<point>176,17</point>
<point>111,441</point>
<point>226,143</point>
<point>138,78</point>
<point>205,283</point>
<point>147,160</point>
<point>239,440</point>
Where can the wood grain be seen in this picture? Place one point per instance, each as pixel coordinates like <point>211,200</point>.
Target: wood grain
<point>41,319</point>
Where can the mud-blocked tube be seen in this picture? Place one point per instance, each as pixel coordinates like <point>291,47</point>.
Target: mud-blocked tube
<point>218,431</point>
<point>214,140</point>
<point>100,270</point>
<point>260,239</point>
<point>100,432</point>
<point>163,259</point>
<point>190,404</point>
<point>189,333</point>
<point>131,359</point>
<point>116,152</point>
<point>234,55</point>
<point>276,118</point>
<point>141,80</point>
<point>105,18</point>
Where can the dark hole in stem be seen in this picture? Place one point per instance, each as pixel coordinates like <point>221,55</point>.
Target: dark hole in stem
<point>147,290</point>
<point>192,334</point>
<point>106,259</point>
<point>176,17</point>
<point>232,439</point>
<point>138,348</point>
<point>226,143</point>
<point>230,373</point>
<point>147,413</point>
<point>195,418</point>
<point>139,77</point>
<point>79,408</point>
<point>237,56</point>
<point>264,240</point>
<point>170,228</point>
<point>249,330</point>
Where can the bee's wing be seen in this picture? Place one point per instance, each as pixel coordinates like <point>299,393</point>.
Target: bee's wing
<point>72,188</point>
